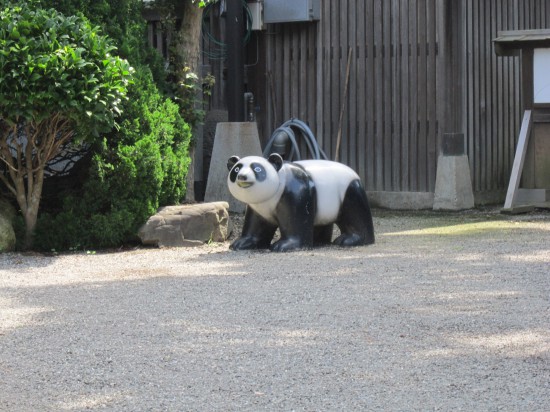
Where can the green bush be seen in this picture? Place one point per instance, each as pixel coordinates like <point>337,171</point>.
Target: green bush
<point>59,82</point>
<point>133,171</point>
<point>122,21</point>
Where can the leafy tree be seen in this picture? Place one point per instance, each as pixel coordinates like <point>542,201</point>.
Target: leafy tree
<point>58,81</point>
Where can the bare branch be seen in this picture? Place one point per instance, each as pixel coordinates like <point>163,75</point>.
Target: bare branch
<point>8,184</point>
<point>6,156</point>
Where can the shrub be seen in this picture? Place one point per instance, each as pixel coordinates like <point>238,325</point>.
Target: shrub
<point>133,171</point>
<point>57,78</point>
<point>130,171</point>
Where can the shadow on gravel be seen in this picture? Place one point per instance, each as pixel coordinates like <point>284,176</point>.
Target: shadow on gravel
<point>442,313</point>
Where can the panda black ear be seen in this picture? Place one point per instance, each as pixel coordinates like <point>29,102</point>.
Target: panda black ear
<point>276,160</point>
<point>232,162</point>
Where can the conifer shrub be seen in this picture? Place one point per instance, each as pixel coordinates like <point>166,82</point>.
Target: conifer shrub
<point>132,172</point>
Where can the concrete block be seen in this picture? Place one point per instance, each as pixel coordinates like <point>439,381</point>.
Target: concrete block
<point>453,184</point>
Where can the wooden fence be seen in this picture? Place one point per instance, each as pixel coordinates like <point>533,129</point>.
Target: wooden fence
<point>401,71</point>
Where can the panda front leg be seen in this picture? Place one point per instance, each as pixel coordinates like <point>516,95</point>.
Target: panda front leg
<point>355,220</point>
<point>296,215</point>
<point>292,241</point>
<point>257,232</point>
<point>294,237</point>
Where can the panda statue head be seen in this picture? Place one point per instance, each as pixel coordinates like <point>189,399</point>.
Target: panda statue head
<point>254,179</point>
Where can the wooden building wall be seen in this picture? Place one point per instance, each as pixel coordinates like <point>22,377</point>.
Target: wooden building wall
<point>418,69</point>
<point>390,118</point>
<point>492,86</point>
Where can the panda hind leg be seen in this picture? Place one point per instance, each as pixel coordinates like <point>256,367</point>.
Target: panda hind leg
<point>355,220</point>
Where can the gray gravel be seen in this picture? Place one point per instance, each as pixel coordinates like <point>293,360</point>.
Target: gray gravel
<point>445,312</point>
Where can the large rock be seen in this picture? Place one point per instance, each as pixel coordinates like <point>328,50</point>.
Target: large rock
<point>7,235</point>
<point>186,225</point>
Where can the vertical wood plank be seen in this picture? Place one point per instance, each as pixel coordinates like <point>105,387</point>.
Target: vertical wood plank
<point>294,53</point>
<point>361,75</point>
<point>493,105</point>
<point>403,71</point>
<point>478,95</point>
<point>431,95</point>
<point>413,108</point>
<point>395,42</point>
<point>387,126</point>
<point>279,75</point>
<point>318,43</point>
<point>311,67</point>
<point>352,115</point>
<point>344,20</point>
<point>303,89</point>
<point>379,95</point>
<point>327,100</point>
<point>422,96</point>
<point>335,74</point>
<point>371,18</point>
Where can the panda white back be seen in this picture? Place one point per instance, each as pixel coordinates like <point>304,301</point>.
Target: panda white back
<point>331,180</point>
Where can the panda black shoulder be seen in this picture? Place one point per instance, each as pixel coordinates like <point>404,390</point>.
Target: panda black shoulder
<point>294,172</point>
<point>298,187</point>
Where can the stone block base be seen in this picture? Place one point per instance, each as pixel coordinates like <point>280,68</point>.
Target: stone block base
<point>453,184</point>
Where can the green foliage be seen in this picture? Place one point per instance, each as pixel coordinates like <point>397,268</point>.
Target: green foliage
<point>133,171</point>
<point>51,64</point>
<point>187,87</point>
<point>123,22</point>
<point>186,95</point>
<point>58,76</point>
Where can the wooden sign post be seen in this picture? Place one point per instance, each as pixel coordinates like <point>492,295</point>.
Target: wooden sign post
<point>529,185</point>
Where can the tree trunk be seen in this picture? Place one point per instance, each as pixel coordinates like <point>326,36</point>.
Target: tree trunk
<point>187,50</point>
<point>31,208</point>
<point>25,162</point>
<point>188,36</point>
<point>190,177</point>
<point>31,218</point>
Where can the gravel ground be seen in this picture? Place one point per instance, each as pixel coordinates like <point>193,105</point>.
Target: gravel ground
<point>445,312</point>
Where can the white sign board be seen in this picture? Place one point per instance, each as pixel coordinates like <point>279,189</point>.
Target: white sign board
<point>541,76</point>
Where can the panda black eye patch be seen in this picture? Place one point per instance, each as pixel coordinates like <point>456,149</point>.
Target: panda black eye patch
<point>259,171</point>
<point>234,172</point>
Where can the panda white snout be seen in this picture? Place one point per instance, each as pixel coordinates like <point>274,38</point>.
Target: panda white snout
<point>244,183</point>
<point>243,180</point>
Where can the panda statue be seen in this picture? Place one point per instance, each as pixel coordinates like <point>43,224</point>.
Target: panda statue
<point>303,199</point>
